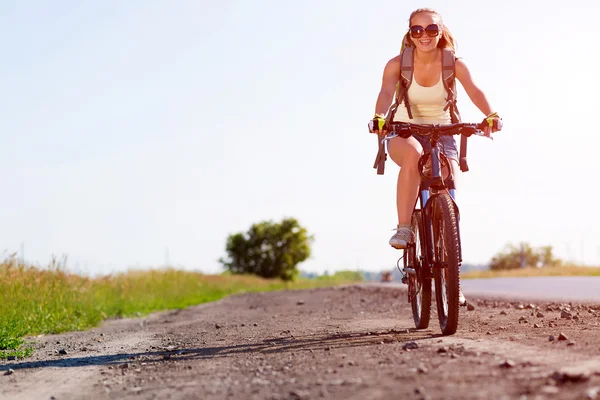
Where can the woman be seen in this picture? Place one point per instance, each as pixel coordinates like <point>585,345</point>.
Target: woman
<point>428,35</point>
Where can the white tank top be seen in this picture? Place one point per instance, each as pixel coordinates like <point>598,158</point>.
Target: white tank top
<point>426,103</point>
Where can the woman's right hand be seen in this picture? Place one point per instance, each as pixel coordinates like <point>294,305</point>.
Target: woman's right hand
<point>377,125</point>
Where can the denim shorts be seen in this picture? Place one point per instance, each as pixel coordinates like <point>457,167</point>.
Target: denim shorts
<point>446,144</point>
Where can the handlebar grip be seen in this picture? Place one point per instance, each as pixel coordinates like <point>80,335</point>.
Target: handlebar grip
<point>498,124</point>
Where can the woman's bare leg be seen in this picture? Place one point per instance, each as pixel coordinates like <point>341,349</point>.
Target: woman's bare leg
<point>455,172</point>
<point>406,153</point>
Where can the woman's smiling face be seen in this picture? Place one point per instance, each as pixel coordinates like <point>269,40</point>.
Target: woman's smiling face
<point>425,20</point>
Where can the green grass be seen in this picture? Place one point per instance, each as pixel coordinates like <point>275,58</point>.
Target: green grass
<point>38,301</point>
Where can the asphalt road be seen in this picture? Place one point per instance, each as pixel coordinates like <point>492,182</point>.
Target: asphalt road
<point>570,288</point>
<point>551,288</point>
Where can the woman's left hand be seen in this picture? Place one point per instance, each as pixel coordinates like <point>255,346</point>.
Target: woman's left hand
<point>493,123</point>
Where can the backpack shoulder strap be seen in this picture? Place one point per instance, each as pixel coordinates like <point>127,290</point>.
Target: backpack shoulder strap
<point>404,80</point>
<point>448,76</point>
<point>448,59</point>
<point>407,63</point>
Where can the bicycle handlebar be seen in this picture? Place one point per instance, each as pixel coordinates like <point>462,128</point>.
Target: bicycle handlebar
<point>405,129</point>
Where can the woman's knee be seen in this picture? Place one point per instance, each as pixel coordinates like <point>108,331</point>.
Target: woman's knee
<point>405,152</point>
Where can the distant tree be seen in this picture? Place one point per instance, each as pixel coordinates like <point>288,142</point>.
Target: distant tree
<point>343,276</point>
<point>349,276</point>
<point>513,257</point>
<point>268,249</point>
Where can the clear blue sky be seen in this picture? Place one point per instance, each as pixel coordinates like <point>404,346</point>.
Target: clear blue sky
<point>129,128</point>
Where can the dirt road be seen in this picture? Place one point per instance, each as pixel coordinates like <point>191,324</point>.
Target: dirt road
<point>354,342</point>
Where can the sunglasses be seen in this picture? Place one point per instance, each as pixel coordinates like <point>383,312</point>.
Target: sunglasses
<point>416,31</point>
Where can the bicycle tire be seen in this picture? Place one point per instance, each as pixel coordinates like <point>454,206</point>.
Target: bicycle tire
<point>419,286</point>
<point>446,272</point>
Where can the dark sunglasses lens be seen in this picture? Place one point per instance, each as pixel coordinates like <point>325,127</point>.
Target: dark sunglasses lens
<point>416,31</point>
<point>432,30</point>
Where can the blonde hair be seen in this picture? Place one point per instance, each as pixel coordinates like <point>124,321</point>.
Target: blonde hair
<point>446,41</point>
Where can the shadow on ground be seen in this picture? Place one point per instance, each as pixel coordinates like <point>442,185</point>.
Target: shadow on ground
<point>324,342</point>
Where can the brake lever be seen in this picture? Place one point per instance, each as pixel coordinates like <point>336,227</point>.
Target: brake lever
<point>480,132</point>
<point>389,137</point>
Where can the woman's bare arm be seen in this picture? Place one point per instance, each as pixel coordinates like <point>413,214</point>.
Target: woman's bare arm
<point>473,91</point>
<point>391,74</point>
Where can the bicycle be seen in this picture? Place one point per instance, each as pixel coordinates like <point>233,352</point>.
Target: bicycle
<point>435,251</point>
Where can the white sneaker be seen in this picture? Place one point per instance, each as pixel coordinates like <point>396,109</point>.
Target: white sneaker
<point>462,301</point>
<point>401,238</point>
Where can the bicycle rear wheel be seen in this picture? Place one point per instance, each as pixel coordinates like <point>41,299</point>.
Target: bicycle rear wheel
<point>419,283</point>
<point>446,246</point>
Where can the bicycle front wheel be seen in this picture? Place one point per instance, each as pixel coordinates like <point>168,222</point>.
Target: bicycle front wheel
<point>419,281</point>
<point>446,246</point>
